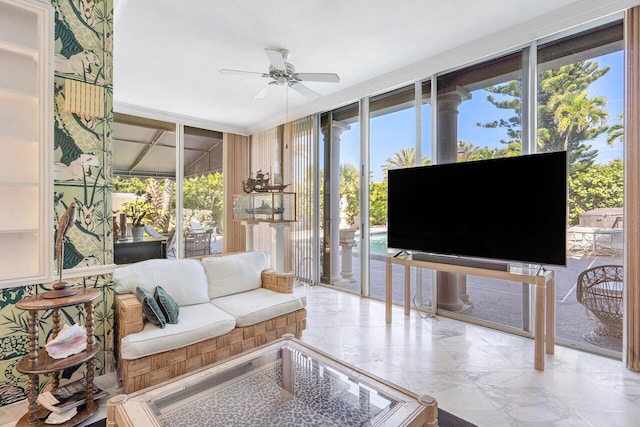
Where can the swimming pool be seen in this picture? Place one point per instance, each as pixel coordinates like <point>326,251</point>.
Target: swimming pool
<point>377,241</point>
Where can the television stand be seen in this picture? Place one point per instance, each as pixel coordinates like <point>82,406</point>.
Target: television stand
<point>544,283</point>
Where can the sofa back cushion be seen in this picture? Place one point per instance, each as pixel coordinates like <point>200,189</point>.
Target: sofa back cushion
<point>183,279</point>
<point>235,273</point>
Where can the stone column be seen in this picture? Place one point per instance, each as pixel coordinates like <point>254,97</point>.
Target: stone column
<point>347,242</point>
<point>248,239</point>
<point>334,136</point>
<point>278,245</point>
<point>448,103</point>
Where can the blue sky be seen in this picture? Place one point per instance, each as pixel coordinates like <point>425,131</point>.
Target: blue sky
<point>393,131</point>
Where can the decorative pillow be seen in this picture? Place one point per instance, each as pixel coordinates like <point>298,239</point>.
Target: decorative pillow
<point>184,279</point>
<point>150,308</point>
<point>231,274</point>
<point>168,306</point>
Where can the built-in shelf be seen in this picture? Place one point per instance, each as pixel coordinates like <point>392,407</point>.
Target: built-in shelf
<point>19,184</point>
<point>26,135</point>
<point>19,230</point>
<point>21,50</point>
<point>17,93</point>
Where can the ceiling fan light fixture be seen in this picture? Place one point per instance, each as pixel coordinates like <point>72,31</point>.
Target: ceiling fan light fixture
<point>282,72</point>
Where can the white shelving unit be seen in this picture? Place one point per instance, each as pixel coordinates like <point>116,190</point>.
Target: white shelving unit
<point>26,108</point>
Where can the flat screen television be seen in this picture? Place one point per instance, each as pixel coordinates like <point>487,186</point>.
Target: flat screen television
<point>507,209</point>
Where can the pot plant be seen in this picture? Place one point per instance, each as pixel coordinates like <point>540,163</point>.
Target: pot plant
<point>139,212</point>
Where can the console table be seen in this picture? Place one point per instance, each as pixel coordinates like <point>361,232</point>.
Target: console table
<point>129,250</point>
<point>544,296</point>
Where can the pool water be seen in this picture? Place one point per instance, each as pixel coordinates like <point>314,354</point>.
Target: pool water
<point>377,241</point>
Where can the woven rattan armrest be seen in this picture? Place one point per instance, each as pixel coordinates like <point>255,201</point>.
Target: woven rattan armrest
<point>277,281</point>
<point>128,315</point>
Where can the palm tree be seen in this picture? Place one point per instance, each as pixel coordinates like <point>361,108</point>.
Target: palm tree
<point>467,151</point>
<point>405,158</point>
<point>616,132</point>
<point>576,113</point>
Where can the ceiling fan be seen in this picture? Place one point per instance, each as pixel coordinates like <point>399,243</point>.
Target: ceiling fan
<point>282,72</point>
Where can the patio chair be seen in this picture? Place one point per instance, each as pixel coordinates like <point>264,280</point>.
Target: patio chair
<point>600,290</point>
<point>577,242</point>
<point>197,244</point>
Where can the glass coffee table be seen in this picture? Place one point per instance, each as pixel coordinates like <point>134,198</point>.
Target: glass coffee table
<point>283,383</point>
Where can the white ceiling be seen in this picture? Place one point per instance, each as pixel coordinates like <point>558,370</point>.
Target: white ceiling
<point>167,54</point>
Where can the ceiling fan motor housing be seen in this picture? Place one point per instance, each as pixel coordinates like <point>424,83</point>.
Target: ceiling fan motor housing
<point>282,76</point>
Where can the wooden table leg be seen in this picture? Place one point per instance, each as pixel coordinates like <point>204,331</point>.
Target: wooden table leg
<point>387,299</point>
<point>407,289</point>
<point>112,404</point>
<point>550,332</point>
<point>540,316</point>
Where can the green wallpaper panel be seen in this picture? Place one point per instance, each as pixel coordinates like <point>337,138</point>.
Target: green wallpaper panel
<point>82,174</point>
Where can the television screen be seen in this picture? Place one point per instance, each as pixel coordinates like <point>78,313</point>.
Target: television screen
<point>511,209</point>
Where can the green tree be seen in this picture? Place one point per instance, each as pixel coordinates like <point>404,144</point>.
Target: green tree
<point>349,187</point>
<point>567,117</point>
<point>378,203</point>
<point>404,158</point>
<point>600,186</point>
<point>468,152</point>
<point>129,185</point>
<point>204,193</point>
<point>562,91</point>
<point>616,132</point>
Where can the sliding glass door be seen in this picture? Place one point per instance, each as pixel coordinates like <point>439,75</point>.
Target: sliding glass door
<point>580,105</point>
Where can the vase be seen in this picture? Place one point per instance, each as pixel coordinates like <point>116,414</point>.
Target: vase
<point>137,233</point>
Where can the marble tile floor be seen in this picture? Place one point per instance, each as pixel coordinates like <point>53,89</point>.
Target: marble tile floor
<point>479,374</point>
<point>482,375</point>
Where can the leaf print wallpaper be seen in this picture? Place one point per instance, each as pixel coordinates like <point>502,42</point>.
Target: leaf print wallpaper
<point>82,174</point>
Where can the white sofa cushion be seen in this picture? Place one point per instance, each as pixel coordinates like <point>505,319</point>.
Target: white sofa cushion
<point>258,305</point>
<point>196,323</point>
<point>183,279</point>
<point>235,273</point>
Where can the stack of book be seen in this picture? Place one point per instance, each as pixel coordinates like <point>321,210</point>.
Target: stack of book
<point>62,403</point>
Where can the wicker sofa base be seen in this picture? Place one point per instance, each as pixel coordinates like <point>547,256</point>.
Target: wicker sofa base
<point>140,373</point>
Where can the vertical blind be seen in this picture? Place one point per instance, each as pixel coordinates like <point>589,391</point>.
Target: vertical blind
<point>288,150</point>
<point>264,157</point>
<point>300,135</point>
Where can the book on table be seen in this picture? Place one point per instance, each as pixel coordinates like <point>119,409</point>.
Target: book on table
<point>68,396</point>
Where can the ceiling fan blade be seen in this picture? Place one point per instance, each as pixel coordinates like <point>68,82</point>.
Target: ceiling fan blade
<point>276,57</point>
<point>266,90</point>
<point>303,90</point>
<point>225,71</point>
<point>318,77</point>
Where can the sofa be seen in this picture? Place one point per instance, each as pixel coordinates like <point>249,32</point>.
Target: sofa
<point>226,305</point>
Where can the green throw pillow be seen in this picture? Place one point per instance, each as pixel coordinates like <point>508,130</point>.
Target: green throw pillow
<point>150,308</point>
<point>168,306</point>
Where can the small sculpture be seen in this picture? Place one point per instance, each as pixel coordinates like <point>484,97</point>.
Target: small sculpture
<point>66,221</point>
<point>260,183</point>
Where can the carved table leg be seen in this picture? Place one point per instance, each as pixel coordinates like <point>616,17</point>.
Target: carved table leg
<point>90,327</point>
<point>33,381</point>
<point>55,376</point>
<point>32,397</point>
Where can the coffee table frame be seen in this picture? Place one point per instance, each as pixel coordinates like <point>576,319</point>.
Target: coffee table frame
<point>412,410</point>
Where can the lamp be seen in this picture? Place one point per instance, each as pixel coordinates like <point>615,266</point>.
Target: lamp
<point>60,288</point>
<point>83,98</point>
